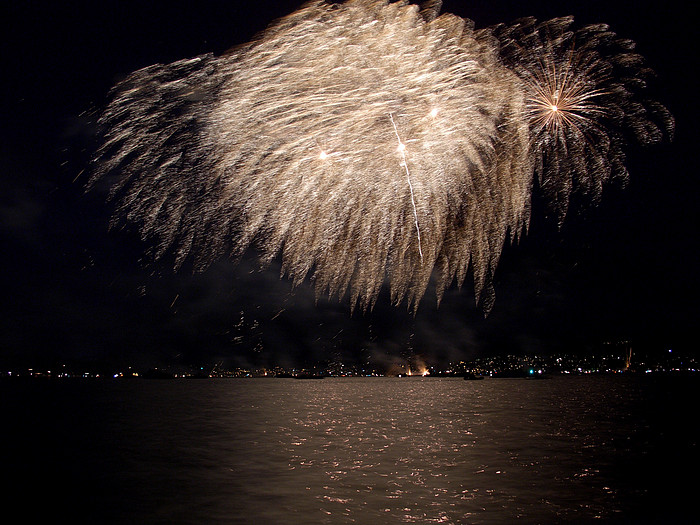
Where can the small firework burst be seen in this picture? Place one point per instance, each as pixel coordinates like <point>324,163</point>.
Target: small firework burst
<point>585,99</point>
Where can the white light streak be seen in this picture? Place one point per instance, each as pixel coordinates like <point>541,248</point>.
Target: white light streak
<point>404,163</point>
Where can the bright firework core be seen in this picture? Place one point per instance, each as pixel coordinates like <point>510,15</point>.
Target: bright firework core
<point>371,142</point>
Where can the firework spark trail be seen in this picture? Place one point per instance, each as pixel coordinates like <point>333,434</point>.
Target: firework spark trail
<point>404,162</point>
<point>282,144</point>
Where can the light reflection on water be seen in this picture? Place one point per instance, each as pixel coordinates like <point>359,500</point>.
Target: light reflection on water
<point>357,450</point>
<point>440,450</point>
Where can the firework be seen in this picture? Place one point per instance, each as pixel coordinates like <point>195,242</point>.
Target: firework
<point>585,98</point>
<point>369,142</point>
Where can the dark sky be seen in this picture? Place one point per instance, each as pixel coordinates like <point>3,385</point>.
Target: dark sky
<point>74,292</point>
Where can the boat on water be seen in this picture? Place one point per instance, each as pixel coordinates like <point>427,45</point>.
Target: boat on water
<point>471,376</point>
<point>536,375</point>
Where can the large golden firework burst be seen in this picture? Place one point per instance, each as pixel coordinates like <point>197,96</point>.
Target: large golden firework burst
<point>370,143</point>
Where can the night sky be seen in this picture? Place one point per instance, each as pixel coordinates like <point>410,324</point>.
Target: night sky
<point>75,292</point>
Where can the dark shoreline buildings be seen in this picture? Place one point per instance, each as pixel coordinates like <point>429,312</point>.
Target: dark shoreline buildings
<point>493,366</point>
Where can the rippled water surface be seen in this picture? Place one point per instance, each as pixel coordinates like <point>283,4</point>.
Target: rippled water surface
<point>355,450</point>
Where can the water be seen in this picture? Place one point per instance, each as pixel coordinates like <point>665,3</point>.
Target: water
<point>356,450</point>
